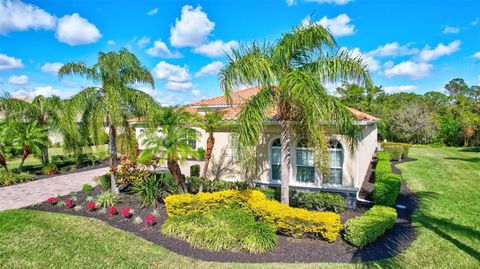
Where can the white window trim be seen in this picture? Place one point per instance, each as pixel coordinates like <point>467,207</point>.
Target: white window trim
<point>270,163</point>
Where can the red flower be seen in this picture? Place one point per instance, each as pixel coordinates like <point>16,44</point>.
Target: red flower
<point>126,212</point>
<point>150,220</point>
<point>91,206</point>
<point>52,200</point>
<point>69,202</point>
<point>112,211</point>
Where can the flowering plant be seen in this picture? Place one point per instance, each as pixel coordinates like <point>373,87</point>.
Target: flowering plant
<point>52,200</point>
<point>69,202</point>
<point>126,212</point>
<point>150,220</point>
<point>91,206</point>
<point>112,211</point>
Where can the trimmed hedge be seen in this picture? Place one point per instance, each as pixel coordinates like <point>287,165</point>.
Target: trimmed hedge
<point>387,185</point>
<point>366,228</point>
<point>320,201</point>
<point>286,220</point>
<point>398,151</point>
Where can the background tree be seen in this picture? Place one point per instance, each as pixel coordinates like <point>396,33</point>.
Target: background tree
<point>6,140</point>
<point>413,123</point>
<point>113,102</point>
<point>291,72</point>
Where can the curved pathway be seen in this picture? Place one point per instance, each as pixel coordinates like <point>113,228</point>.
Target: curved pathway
<point>28,193</point>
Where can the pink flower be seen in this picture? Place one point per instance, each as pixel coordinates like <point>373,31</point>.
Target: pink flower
<point>126,212</point>
<point>112,211</point>
<point>69,202</point>
<point>150,220</point>
<point>91,206</point>
<point>52,200</point>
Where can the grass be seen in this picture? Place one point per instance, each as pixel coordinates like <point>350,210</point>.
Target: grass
<point>446,180</point>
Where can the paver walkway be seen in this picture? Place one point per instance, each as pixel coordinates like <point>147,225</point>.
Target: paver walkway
<point>29,193</point>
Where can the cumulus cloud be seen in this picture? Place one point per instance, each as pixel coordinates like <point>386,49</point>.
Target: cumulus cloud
<point>192,29</point>
<point>476,55</point>
<point>372,64</point>
<point>216,48</point>
<point>337,2</point>
<point>338,26</point>
<point>18,16</point>
<point>178,86</point>
<point>428,54</point>
<point>393,49</point>
<point>111,42</point>
<point>475,21</point>
<point>75,30</point>
<point>170,72</point>
<point>210,69</point>
<point>451,30</point>
<point>143,41</point>
<point>291,2</point>
<point>8,62</point>
<point>408,68</point>
<point>196,93</point>
<point>51,67</point>
<point>18,80</point>
<point>147,90</point>
<point>401,88</point>
<point>160,49</point>
<point>152,12</point>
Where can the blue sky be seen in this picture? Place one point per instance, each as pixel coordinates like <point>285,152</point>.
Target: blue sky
<point>414,46</point>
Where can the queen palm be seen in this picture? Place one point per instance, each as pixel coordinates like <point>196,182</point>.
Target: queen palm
<point>170,145</point>
<point>113,101</point>
<point>291,73</point>
<point>210,122</point>
<point>29,138</point>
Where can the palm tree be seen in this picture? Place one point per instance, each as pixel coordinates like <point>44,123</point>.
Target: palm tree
<point>170,145</point>
<point>114,101</point>
<point>46,111</point>
<point>210,122</point>
<point>291,72</point>
<point>6,139</point>
<point>29,138</point>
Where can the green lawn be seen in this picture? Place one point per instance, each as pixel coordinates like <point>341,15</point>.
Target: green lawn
<point>446,180</point>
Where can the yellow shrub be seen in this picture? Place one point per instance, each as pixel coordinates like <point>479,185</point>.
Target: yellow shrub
<point>290,221</point>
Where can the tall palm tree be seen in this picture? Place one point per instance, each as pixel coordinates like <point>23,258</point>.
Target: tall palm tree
<point>210,122</point>
<point>170,145</point>
<point>291,72</point>
<point>29,138</point>
<point>113,101</point>
<point>45,111</point>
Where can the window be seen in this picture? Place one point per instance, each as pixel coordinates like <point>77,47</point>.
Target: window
<point>305,164</point>
<point>191,138</point>
<point>336,162</point>
<point>232,146</point>
<point>275,155</point>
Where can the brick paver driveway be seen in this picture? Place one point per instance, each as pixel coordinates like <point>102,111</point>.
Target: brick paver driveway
<point>29,193</point>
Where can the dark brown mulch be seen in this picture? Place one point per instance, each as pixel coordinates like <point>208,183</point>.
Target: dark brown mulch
<point>288,250</point>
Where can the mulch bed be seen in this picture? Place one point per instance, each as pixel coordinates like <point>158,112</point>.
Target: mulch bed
<point>289,250</point>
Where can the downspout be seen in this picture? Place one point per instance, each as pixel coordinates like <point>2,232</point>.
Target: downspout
<point>356,183</point>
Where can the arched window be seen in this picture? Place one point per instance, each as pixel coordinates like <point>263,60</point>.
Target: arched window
<point>305,164</point>
<point>275,161</point>
<point>336,162</point>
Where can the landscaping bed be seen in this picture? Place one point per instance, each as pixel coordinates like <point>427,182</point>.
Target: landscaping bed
<point>288,249</point>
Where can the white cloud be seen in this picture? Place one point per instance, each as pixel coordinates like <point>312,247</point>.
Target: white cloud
<point>51,67</point>
<point>476,55</point>
<point>147,90</point>
<point>388,64</point>
<point>372,64</point>
<point>8,63</point>
<point>401,88</point>
<point>152,12</point>
<point>171,100</point>
<point>18,16</point>
<point>143,41</point>
<point>338,26</point>
<point>210,69</point>
<point>427,54</point>
<point>337,2</point>
<point>408,68</point>
<point>192,29</point>
<point>291,2</point>
<point>196,93</point>
<point>393,49</point>
<point>171,72</point>
<point>160,49</point>
<point>45,91</point>
<point>451,30</point>
<point>75,30</point>
<point>178,86</point>
<point>111,42</point>
<point>216,48</point>
<point>475,21</point>
<point>18,80</point>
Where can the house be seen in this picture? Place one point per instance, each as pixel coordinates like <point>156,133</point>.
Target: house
<point>348,169</point>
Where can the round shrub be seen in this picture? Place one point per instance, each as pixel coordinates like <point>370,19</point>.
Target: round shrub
<point>320,201</point>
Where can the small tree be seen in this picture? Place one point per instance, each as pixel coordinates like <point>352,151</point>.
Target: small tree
<point>210,122</point>
<point>29,138</point>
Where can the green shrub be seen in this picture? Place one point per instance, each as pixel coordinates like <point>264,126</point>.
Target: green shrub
<point>271,193</point>
<point>195,170</point>
<point>104,181</point>
<point>366,228</point>
<point>220,185</point>
<point>383,167</point>
<point>107,199</point>
<point>11,178</point>
<point>193,184</point>
<point>386,189</point>
<point>49,169</point>
<point>167,182</point>
<point>396,152</point>
<point>87,188</point>
<point>149,190</point>
<point>222,229</point>
<point>320,201</point>
<point>396,148</point>
<point>201,154</point>
<point>383,155</point>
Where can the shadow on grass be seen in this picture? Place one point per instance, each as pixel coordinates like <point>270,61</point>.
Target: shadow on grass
<point>474,149</point>
<point>473,159</point>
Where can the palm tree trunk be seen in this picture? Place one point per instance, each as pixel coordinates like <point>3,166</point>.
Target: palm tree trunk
<point>208,156</point>
<point>25,153</point>
<point>3,162</point>
<point>45,157</point>
<point>285,162</point>
<point>112,142</point>
<point>174,169</point>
